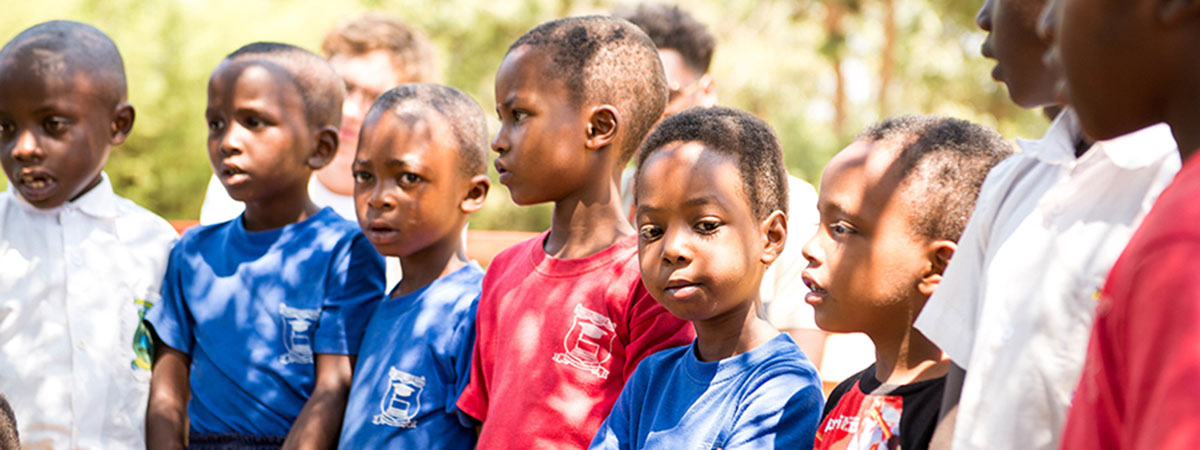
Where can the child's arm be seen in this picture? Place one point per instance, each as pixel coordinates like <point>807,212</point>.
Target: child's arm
<point>166,414</point>
<point>320,422</point>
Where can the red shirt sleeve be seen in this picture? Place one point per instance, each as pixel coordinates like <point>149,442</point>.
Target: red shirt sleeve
<point>652,328</point>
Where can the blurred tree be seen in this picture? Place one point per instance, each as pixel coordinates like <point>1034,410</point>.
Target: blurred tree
<point>818,71</point>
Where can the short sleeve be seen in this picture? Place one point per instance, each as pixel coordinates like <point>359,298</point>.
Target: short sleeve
<point>782,412</point>
<point>461,348</point>
<point>354,286</point>
<point>652,328</point>
<point>614,432</point>
<point>169,317</point>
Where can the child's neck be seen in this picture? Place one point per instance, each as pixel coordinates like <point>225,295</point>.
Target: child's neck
<point>1183,115</point>
<point>732,333</point>
<point>904,355</point>
<point>588,222</point>
<point>433,262</point>
<point>278,212</point>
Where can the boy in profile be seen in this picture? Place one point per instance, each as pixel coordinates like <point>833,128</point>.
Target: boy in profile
<point>564,318</point>
<point>262,314</point>
<point>1015,307</point>
<point>79,265</point>
<point>892,205</point>
<point>711,217</point>
<point>420,172</point>
<point>1141,375</point>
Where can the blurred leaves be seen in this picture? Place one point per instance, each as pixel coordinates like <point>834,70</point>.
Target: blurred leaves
<point>774,58</point>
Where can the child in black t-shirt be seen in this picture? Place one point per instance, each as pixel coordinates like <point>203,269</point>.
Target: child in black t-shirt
<point>892,205</point>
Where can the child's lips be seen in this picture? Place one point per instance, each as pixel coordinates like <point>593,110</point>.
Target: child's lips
<point>681,289</point>
<point>500,169</point>
<point>378,232</point>
<point>35,185</point>
<point>815,293</point>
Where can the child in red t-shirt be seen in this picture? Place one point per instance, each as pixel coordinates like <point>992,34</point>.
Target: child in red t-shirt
<point>1129,64</point>
<point>564,319</point>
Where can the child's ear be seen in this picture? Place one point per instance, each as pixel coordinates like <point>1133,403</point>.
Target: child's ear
<point>327,145</point>
<point>708,91</point>
<point>122,123</point>
<point>1174,12</point>
<point>774,231</point>
<point>602,127</point>
<point>940,251</point>
<point>476,195</point>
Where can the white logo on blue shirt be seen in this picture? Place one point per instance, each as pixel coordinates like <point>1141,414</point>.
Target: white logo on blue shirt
<point>588,344</point>
<point>402,400</point>
<point>297,334</point>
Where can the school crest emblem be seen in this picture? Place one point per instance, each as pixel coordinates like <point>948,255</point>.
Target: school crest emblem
<point>402,401</point>
<point>297,334</point>
<point>588,344</point>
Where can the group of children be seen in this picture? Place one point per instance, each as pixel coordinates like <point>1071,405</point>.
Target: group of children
<point>975,271</point>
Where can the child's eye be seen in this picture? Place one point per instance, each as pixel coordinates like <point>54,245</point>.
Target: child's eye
<point>409,178</point>
<point>840,229</point>
<point>55,125</point>
<point>649,233</point>
<point>254,122</point>
<point>8,128</point>
<point>215,125</point>
<point>707,226</point>
<point>519,115</point>
<point>362,177</point>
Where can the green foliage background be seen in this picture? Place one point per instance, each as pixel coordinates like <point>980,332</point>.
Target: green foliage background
<point>776,59</point>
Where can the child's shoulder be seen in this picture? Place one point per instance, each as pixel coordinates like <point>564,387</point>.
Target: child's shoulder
<point>142,219</point>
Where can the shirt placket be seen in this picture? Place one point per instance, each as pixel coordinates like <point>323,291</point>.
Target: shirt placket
<point>78,318</point>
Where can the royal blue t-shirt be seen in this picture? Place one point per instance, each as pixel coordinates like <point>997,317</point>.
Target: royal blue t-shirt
<point>414,362</point>
<point>769,397</point>
<point>252,308</point>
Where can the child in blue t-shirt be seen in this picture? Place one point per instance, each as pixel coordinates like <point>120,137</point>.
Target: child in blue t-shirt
<point>261,315</point>
<point>711,204</point>
<point>420,171</point>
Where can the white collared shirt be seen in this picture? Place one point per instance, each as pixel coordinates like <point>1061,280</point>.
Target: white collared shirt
<point>1017,301</point>
<point>74,281</point>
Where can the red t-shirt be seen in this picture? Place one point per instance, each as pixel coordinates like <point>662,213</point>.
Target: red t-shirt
<point>1140,386</point>
<point>556,340</point>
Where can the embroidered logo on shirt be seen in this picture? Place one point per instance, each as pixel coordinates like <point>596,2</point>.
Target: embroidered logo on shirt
<point>402,400</point>
<point>588,344</point>
<point>143,347</point>
<point>297,334</point>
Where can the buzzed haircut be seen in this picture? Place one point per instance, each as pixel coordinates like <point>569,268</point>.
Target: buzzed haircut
<point>9,438</point>
<point>670,27</point>
<point>943,162</point>
<point>414,102</point>
<point>63,48</point>
<point>412,53</point>
<point>605,60</point>
<point>321,89</point>
<point>734,133</point>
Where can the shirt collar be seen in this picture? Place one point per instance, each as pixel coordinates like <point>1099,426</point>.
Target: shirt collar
<point>99,201</point>
<point>1057,146</point>
<point>1140,148</point>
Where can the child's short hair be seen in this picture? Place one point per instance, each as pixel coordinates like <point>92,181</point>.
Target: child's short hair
<point>9,438</point>
<point>413,102</point>
<point>735,133</point>
<point>63,48</point>
<point>673,28</point>
<point>603,59</point>
<point>412,53</point>
<point>321,89</point>
<point>943,163</point>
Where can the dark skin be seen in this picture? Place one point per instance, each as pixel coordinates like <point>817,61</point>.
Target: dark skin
<point>701,250</point>
<point>554,151</point>
<point>263,151</point>
<point>413,198</point>
<point>868,270</point>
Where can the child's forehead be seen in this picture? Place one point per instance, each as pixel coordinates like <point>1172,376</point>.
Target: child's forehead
<point>69,85</point>
<point>411,130</point>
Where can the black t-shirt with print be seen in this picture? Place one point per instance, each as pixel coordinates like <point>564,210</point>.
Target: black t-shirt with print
<point>864,409</point>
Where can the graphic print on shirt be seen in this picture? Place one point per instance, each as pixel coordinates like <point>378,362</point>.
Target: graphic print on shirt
<point>588,344</point>
<point>870,424</point>
<point>402,400</point>
<point>297,334</point>
<point>143,347</point>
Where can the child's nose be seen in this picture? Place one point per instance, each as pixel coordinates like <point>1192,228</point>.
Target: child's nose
<point>984,17</point>
<point>675,247</point>
<point>812,250</point>
<point>380,198</point>
<point>27,148</point>
<point>500,142</point>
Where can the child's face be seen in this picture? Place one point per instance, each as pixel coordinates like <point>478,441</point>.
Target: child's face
<point>367,76</point>
<point>259,142</point>
<point>409,188</point>
<point>1014,43</point>
<point>1110,54</point>
<point>688,88</point>
<point>542,134</point>
<point>864,262</point>
<point>55,134</point>
<point>701,250</point>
